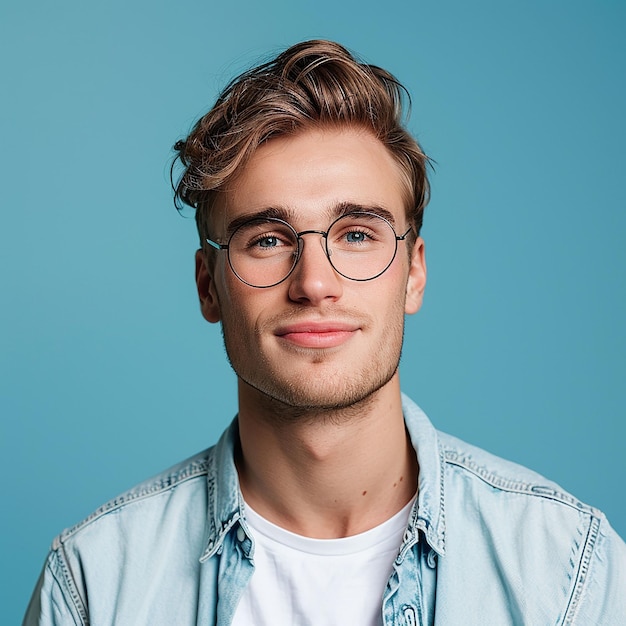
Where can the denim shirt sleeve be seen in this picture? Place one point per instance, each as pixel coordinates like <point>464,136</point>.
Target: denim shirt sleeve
<point>51,603</point>
<point>603,592</point>
<point>154,555</point>
<point>513,547</point>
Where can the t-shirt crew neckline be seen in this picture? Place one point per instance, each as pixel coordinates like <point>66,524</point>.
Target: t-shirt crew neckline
<point>385,536</point>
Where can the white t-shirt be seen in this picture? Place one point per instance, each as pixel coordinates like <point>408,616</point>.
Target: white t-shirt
<point>299,581</point>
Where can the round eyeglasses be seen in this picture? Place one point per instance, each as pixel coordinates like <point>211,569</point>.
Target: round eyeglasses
<point>264,251</point>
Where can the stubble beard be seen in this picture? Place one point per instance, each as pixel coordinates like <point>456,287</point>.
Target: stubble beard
<point>334,398</point>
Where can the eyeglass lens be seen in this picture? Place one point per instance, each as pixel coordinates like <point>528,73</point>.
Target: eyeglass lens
<point>360,246</point>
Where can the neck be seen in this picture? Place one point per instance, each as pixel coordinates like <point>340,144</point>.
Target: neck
<point>326,473</point>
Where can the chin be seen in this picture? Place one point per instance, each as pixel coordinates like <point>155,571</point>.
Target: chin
<point>296,398</point>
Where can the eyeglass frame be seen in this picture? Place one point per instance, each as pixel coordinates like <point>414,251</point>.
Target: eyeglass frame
<point>300,249</point>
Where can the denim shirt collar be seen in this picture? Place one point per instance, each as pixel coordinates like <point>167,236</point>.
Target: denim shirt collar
<point>428,514</point>
<point>225,502</point>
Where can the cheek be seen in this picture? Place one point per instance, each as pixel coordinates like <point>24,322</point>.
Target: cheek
<point>397,276</point>
<point>243,307</point>
<point>231,291</point>
<point>386,301</point>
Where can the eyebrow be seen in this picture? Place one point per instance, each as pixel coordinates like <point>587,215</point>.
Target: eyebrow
<point>289,215</point>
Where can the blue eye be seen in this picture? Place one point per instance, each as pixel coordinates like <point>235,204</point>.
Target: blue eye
<point>268,242</point>
<point>355,237</point>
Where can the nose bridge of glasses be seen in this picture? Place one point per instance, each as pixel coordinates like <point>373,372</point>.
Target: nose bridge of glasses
<point>323,240</point>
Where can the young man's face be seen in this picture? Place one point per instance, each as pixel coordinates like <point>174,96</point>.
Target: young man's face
<point>316,340</point>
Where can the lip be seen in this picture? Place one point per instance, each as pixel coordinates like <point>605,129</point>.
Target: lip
<point>317,334</point>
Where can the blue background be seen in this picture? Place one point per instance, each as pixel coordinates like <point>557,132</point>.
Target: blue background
<point>109,374</point>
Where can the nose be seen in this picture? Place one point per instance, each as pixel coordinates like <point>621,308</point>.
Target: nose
<point>314,279</point>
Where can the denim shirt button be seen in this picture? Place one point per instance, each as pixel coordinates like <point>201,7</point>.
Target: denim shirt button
<point>241,535</point>
<point>431,559</point>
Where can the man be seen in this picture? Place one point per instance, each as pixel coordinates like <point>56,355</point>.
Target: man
<point>330,499</point>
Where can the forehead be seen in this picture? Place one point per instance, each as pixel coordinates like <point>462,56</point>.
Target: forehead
<point>309,175</point>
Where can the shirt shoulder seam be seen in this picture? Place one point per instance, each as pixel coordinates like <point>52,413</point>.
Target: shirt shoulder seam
<point>537,488</point>
<point>196,467</point>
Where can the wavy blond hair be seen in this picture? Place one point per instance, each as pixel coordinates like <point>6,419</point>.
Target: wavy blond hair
<point>312,84</point>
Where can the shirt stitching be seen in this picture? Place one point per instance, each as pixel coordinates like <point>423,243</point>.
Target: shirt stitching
<point>195,469</point>
<point>516,486</point>
<point>583,570</point>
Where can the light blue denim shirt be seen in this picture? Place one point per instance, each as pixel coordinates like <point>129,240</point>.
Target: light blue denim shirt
<point>488,543</point>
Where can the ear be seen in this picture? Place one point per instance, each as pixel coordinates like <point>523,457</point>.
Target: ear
<point>209,303</point>
<point>417,278</point>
